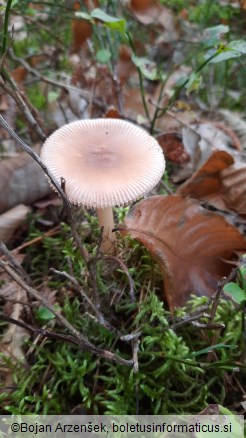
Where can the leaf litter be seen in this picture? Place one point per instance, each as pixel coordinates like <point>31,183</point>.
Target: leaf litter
<point>205,153</point>
<point>191,244</point>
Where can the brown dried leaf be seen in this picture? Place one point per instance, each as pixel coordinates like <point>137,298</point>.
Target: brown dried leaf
<point>22,181</point>
<point>81,29</point>
<point>125,67</point>
<point>112,113</point>
<point>81,32</point>
<point>234,187</point>
<point>173,148</point>
<point>201,140</point>
<point>207,180</point>
<point>189,243</point>
<point>219,182</point>
<point>11,220</point>
<point>19,74</point>
<point>150,11</point>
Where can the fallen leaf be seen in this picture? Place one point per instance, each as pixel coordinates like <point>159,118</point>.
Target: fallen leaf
<point>22,181</point>
<point>19,74</point>
<point>207,179</point>
<point>234,139</point>
<point>150,11</point>
<point>11,220</point>
<point>4,104</point>
<point>200,140</point>
<point>237,124</point>
<point>112,113</point>
<point>212,409</point>
<point>219,182</point>
<point>81,30</point>
<point>233,181</point>
<point>173,148</point>
<point>189,243</point>
<point>52,200</point>
<point>13,338</point>
<point>125,67</point>
<point>243,4</point>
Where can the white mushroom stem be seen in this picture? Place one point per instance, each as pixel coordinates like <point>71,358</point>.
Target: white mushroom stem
<point>106,220</point>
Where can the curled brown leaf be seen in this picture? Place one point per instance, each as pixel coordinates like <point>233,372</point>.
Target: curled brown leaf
<point>190,244</point>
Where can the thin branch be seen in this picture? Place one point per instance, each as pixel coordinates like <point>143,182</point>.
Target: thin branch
<point>126,271</point>
<point>41,26</point>
<point>79,289</point>
<point>83,93</point>
<point>4,250</point>
<point>136,343</point>
<point>10,88</point>
<point>76,335</point>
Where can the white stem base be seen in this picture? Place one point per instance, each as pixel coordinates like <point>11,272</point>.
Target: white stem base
<point>106,220</point>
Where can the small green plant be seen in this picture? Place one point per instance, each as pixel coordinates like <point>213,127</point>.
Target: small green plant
<point>63,376</point>
<point>237,290</point>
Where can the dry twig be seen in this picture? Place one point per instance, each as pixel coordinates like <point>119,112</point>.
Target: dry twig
<point>76,336</point>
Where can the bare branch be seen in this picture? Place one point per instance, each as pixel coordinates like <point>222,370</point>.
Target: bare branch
<point>76,335</point>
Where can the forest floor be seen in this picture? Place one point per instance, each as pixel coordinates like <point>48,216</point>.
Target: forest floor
<point>159,326</point>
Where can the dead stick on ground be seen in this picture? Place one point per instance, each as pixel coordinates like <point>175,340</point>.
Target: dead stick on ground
<point>11,89</point>
<point>83,342</point>
<point>79,289</point>
<point>126,271</point>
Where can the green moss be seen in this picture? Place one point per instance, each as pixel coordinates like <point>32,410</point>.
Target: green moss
<point>64,376</point>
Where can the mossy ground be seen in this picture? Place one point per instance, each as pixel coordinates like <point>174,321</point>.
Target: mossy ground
<point>175,375</point>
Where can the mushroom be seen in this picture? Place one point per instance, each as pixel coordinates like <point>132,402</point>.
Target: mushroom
<point>105,163</point>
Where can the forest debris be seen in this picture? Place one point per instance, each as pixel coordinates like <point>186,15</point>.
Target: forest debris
<point>81,30</point>
<point>237,124</point>
<point>173,148</point>
<point>11,220</point>
<point>207,180</point>
<point>234,187</point>
<point>200,140</point>
<point>22,182</point>
<point>190,244</point>
<point>151,12</point>
<point>12,340</point>
<point>220,182</point>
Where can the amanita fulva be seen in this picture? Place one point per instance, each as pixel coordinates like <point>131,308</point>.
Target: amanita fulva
<point>105,163</point>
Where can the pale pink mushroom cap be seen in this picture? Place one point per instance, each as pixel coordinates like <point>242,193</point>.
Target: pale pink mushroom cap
<point>105,162</point>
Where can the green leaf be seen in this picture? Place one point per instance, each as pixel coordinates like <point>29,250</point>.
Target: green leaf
<point>45,314</point>
<point>194,82</point>
<point>53,96</point>
<point>103,56</point>
<point>225,55</point>
<point>212,347</point>
<point>111,22</point>
<point>235,291</point>
<point>147,68</point>
<point>83,15</point>
<point>237,427</point>
<point>14,3</point>
<point>214,35</point>
<point>233,50</point>
<point>238,45</point>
